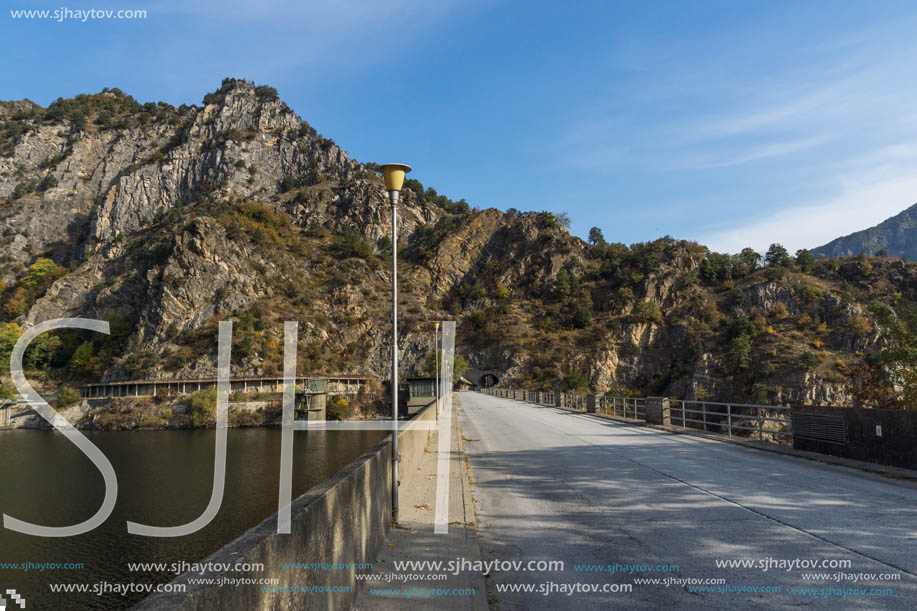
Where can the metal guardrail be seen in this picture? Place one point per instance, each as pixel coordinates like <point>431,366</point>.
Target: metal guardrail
<point>633,408</point>
<point>621,407</point>
<point>716,417</point>
<point>733,419</point>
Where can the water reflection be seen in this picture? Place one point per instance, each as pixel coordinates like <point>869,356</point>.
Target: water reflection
<point>164,479</point>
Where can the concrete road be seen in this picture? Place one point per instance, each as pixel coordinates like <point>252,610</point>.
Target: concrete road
<point>553,485</point>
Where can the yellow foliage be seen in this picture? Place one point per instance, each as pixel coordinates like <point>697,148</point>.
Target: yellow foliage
<point>818,343</point>
<point>780,311</point>
<point>11,329</point>
<point>770,330</point>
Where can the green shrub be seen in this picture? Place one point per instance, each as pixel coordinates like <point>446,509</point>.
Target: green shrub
<point>766,369</point>
<point>776,256</point>
<point>715,267</point>
<point>266,93</point>
<point>7,391</point>
<point>351,244</point>
<point>740,352</point>
<point>430,195</point>
<point>233,232</point>
<point>859,325</point>
<point>775,273</point>
<point>735,296</point>
<point>202,406</point>
<point>426,239</point>
<point>809,294</point>
<point>48,182</point>
<point>805,260</point>
<point>809,360</point>
<point>575,379</point>
<point>138,363</point>
<point>81,362</point>
<point>648,311</point>
<point>582,317</point>
<point>338,408</point>
<point>22,189</point>
<point>564,285</point>
<point>67,396</point>
<point>41,351</point>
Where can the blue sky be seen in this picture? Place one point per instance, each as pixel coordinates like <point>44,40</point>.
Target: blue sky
<point>734,124</point>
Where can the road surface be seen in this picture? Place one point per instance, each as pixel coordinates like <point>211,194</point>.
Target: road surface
<point>554,485</point>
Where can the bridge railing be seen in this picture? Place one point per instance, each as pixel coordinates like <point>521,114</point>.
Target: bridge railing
<point>633,408</point>
<point>766,422</point>
<point>621,407</point>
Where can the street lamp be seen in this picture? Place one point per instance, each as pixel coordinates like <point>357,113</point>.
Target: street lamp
<point>393,174</point>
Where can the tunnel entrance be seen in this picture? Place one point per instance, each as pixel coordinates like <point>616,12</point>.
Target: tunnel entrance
<point>488,380</point>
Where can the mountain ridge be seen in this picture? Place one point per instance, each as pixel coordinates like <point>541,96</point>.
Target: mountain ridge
<point>166,220</point>
<point>896,236</point>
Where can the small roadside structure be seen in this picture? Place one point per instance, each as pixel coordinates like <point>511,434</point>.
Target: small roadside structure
<point>463,384</point>
<point>421,392</point>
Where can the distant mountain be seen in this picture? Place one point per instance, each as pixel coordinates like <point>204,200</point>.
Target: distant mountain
<point>897,236</point>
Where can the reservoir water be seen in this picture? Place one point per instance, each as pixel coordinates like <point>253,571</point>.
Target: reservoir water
<point>164,479</point>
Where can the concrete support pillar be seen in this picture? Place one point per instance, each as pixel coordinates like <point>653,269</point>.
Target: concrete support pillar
<point>592,403</point>
<point>657,411</point>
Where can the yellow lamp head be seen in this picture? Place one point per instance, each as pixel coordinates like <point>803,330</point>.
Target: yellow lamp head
<point>393,173</point>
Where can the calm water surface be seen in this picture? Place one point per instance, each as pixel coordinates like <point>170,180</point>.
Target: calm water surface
<point>164,479</point>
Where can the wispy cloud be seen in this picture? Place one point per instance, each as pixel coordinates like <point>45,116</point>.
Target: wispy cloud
<point>865,198</point>
<point>814,140</point>
<point>286,41</point>
<point>315,14</point>
<point>749,154</point>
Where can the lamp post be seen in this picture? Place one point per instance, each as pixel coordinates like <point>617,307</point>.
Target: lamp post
<point>393,174</point>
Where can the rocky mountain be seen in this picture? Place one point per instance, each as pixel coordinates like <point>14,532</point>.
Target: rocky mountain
<point>896,237</point>
<point>165,221</point>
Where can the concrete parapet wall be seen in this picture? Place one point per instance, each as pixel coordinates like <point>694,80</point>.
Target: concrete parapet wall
<point>658,411</point>
<point>345,519</point>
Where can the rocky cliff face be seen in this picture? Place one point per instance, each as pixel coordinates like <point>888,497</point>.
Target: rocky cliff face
<point>166,220</point>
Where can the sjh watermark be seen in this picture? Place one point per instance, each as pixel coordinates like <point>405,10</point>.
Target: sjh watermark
<point>101,462</point>
<point>66,14</point>
<point>14,597</point>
